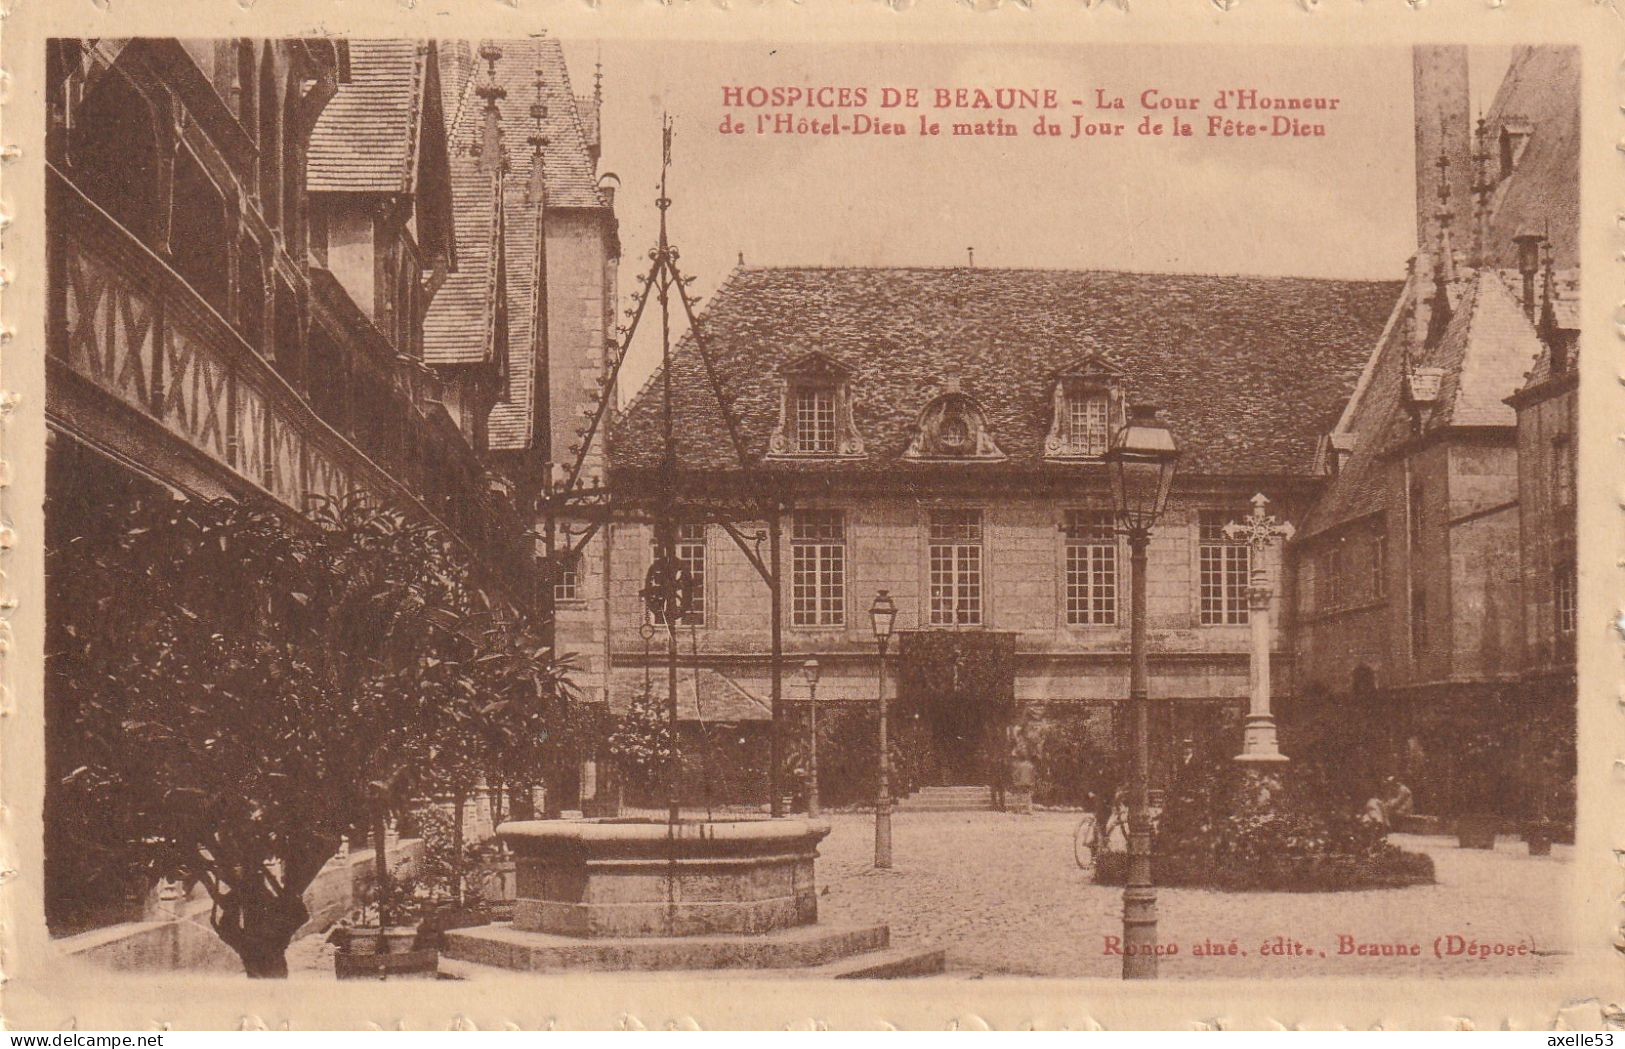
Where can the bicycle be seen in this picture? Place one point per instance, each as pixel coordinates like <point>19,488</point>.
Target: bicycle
<point>1088,841</point>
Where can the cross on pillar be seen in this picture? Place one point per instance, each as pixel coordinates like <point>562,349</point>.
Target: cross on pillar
<point>1260,530</point>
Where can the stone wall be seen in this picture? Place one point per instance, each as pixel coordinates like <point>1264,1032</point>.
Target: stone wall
<point>1024,590</point>
<point>1547,530</point>
<point>185,942</point>
<point>580,304</point>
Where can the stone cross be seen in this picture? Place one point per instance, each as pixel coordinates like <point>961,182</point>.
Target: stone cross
<point>1260,531</point>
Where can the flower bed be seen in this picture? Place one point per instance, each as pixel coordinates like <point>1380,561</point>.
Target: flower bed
<point>1227,826</point>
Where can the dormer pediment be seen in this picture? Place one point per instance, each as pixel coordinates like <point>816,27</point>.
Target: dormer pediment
<point>816,364</point>
<point>1091,367</point>
<point>952,426</point>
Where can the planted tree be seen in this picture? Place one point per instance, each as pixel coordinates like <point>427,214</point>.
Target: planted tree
<point>191,734</point>
<point>232,691</point>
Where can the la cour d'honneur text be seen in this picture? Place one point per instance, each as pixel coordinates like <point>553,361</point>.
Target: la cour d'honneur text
<point>1010,112</point>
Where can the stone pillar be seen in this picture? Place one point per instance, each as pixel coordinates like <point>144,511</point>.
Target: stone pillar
<point>483,825</point>
<point>1259,531</point>
<point>1258,741</point>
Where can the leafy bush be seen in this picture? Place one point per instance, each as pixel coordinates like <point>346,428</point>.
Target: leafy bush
<point>1227,826</point>
<point>848,742</point>
<point>231,735</point>
<point>643,746</point>
<point>1071,765</point>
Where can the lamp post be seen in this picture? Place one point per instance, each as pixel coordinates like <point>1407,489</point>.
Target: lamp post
<point>882,616</point>
<point>809,670</point>
<point>1142,459</point>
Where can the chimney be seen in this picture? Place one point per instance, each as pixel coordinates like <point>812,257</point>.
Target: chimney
<point>1444,146</point>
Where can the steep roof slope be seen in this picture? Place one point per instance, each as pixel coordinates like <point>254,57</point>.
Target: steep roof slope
<point>1247,370</point>
<point>1541,88</point>
<point>461,311</point>
<point>366,138</point>
<point>1490,349</point>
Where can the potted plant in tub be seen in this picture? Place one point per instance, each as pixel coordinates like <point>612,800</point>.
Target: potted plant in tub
<point>381,938</point>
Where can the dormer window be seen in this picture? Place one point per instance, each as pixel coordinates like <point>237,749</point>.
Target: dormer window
<point>1515,132</point>
<point>815,420</point>
<point>1088,421</point>
<point>1087,408</point>
<point>815,412</point>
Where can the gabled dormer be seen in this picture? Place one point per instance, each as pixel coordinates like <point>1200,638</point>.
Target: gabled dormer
<point>815,411</point>
<point>952,426</point>
<point>1087,408</point>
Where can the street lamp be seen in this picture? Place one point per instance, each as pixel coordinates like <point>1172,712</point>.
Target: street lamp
<point>882,616</point>
<point>1142,459</point>
<point>809,671</point>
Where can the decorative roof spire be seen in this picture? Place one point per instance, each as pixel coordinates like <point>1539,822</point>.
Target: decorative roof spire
<point>1443,268</point>
<point>598,78</point>
<point>537,190</point>
<point>1547,326</point>
<point>1482,187</point>
<point>489,147</point>
<point>1444,263</point>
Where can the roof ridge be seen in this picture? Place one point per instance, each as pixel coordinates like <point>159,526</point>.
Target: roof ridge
<point>463,96</point>
<point>420,104</point>
<point>970,270</point>
<point>569,93</point>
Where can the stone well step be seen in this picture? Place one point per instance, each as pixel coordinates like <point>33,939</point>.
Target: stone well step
<point>802,947</point>
<point>891,963</point>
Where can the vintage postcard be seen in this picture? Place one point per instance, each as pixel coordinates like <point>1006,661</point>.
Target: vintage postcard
<point>1069,515</point>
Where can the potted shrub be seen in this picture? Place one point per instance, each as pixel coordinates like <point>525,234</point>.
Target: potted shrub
<point>381,938</point>
<point>1538,835</point>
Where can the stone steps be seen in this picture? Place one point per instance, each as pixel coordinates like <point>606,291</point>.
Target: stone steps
<point>838,951</point>
<point>889,963</point>
<point>948,799</point>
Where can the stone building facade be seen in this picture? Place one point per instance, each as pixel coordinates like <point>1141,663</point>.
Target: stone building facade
<point>1433,570</point>
<point>938,434</point>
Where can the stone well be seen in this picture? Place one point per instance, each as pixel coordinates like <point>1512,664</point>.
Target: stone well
<point>644,879</point>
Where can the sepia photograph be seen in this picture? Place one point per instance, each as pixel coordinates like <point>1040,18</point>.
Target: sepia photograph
<point>556,505</point>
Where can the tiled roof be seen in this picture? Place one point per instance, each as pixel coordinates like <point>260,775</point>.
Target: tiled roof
<point>1486,351</point>
<point>461,311</point>
<point>1541,87</point>
<point>1376,419</point>
<point>720,698</point>
<point>1489,349</point>
<point>366,138</point>
<point>460,324</point>
<point>1248,371</point>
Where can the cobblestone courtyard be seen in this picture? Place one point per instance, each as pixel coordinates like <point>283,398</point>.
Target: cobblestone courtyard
<point>1002,893</point>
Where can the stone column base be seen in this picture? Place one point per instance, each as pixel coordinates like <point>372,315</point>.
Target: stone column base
<point>1258,741</point>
